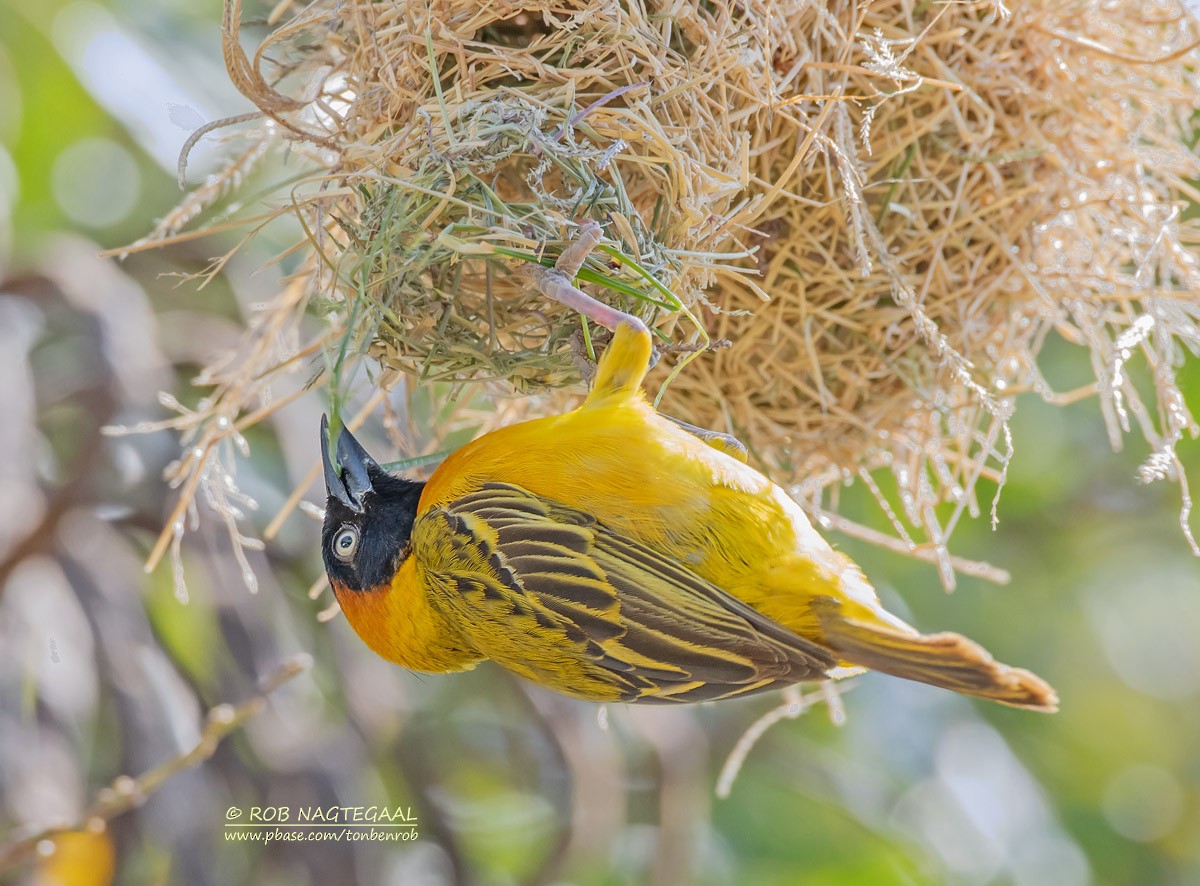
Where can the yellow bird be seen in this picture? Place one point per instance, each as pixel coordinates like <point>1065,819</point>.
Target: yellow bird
<point>613,554</point>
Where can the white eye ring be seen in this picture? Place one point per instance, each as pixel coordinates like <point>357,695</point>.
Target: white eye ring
<point>345,543</point>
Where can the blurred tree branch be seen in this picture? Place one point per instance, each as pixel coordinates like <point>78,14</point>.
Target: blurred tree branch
<point>97,400</point>
<point>126,793</point>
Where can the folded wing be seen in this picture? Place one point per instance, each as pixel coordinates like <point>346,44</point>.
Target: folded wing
<point>548,592</point>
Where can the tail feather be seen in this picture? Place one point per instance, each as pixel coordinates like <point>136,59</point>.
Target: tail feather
<point>946,660</point>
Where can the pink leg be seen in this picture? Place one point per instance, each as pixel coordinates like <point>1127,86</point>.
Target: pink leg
<point>557,283</point>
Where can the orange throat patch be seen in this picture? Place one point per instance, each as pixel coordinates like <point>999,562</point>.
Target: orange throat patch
<point>397,621</point>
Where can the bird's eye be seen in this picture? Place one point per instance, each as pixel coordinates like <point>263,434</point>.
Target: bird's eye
<point>345,543</point>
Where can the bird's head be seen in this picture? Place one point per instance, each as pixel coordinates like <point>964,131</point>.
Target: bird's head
<point>369,516</point>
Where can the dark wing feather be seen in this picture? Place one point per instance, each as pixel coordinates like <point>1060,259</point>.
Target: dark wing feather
<point>547,591</point>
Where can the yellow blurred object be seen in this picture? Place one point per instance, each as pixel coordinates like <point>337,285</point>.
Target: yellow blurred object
<point>76,858</point>
<point>613,555</point>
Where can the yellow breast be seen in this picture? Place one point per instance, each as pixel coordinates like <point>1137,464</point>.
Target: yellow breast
<point>399,624</point>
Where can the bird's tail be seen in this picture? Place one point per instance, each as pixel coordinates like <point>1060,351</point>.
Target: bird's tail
<point>949,661</point>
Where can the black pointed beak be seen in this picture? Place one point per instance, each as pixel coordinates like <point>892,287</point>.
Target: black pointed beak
<point>350,483</point>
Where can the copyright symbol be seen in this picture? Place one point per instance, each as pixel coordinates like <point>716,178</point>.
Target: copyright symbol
<point>233,813</point>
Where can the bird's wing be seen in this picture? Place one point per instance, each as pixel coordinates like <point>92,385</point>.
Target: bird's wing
<point>547,591</point>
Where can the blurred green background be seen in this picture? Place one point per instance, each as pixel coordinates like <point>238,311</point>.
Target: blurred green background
<point>103,671</point>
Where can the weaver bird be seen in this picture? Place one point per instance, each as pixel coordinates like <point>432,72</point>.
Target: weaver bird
<point>612,554</point>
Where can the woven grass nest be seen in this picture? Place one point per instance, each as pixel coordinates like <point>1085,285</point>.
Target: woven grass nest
<point>882,209</point>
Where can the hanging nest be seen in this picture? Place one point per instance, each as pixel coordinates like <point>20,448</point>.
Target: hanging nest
<point>885,209</point>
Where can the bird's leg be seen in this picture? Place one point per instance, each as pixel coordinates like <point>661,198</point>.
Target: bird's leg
<point>726,443</point>
<point>624,365</point>
<point>557,283</point>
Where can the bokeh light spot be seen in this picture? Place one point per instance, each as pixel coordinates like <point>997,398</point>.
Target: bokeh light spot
<point>1148,637</point>
<point>96,182</point>
<point>1143,802</point>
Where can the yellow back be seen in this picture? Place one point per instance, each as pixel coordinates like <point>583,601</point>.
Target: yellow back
<point>640,475</point>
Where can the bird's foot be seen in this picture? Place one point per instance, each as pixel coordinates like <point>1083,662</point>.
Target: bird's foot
<point>558,283</point>
<point>726,443</point>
